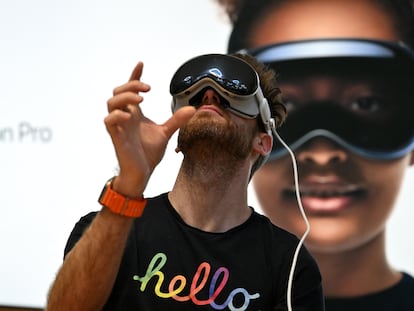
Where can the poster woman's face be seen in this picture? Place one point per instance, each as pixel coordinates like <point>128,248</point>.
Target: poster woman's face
<point>347,198</point>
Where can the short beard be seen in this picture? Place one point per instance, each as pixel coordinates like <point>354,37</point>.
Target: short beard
<point>214,147</point>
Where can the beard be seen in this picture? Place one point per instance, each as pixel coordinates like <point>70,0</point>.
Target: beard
<point>214,146</point>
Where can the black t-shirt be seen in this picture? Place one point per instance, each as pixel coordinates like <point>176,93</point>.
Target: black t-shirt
<point>168,265</point>
<point>399,297</point>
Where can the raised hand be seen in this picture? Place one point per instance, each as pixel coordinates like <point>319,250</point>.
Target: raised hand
<point>139,142</point>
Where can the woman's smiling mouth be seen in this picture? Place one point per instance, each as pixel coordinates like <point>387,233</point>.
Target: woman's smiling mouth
<point>326,197</point>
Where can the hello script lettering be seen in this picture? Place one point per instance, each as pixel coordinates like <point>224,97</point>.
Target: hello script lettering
<point>199,281</point>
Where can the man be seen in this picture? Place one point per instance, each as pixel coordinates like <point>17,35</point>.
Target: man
<point>200,246</point>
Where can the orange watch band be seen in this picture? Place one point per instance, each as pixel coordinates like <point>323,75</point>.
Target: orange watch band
<point>119,204</point>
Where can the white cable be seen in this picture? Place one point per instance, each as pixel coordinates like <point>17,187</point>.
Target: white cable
<point>300,243</point>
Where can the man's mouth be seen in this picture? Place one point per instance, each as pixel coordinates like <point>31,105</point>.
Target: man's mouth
<point>211,108</point>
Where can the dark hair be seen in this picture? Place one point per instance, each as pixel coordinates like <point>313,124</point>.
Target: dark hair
<point>270,88</point>
<point>244,13</point>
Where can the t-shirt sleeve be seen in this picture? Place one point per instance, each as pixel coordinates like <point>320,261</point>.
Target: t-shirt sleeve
<point>78,231</point>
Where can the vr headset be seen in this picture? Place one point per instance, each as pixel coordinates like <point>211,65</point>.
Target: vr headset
<point>386,138</point>
<point>232,78</point>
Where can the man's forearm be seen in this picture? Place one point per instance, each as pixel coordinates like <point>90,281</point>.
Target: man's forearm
<point>87,275</point>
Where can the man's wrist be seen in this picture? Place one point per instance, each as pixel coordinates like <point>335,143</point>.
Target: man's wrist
<point>119,204</point>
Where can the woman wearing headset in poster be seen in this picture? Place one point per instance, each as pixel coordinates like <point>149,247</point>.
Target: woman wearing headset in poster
<point>346,73</point>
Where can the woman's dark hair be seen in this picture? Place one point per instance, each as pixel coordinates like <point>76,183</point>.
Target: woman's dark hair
<point>244,13</point>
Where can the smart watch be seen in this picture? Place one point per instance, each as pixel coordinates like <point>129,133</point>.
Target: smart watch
<point>120,204</point>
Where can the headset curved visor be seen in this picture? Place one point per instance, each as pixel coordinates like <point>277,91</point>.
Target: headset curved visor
<point>234,79</point>
<point>388,138</point>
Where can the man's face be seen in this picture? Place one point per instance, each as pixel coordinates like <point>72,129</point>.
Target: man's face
<point>214,134</point>
<point>347,198</point>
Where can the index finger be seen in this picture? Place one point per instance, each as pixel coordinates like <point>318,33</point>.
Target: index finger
<point>137,72</point>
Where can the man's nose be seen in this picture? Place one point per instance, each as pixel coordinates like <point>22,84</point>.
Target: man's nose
<point>210,97</point>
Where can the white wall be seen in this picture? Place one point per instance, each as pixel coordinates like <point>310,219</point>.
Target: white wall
<point>59,61</point>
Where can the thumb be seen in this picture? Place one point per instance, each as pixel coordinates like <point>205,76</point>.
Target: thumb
<point>178,119</point>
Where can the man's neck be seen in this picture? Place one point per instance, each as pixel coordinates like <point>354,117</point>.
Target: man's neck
<point>211,201</point>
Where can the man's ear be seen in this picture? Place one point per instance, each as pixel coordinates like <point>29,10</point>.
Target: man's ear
<point>262,144</point>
